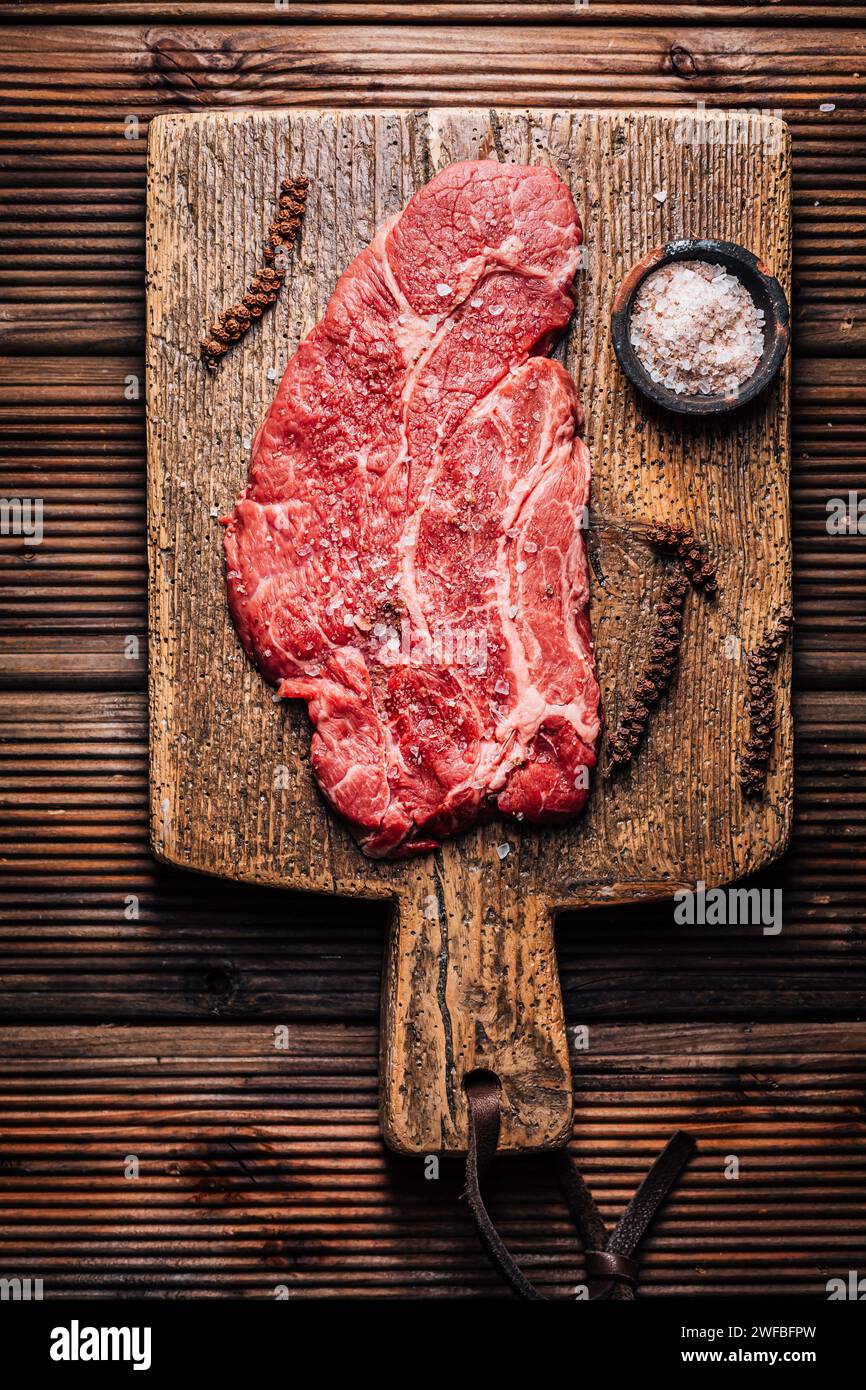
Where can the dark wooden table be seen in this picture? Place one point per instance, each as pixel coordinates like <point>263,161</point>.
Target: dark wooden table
<point>139,1004</point>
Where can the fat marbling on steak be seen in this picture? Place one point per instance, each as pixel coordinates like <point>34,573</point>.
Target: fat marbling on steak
<point>407,556</point>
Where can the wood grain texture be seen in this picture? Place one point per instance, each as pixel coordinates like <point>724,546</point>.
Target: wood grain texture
<point>261,1165</point>
<point>92,927</point>
<point>527,12</point>
<point>341,1217</point>
<point>71,252</point>
<point>232,792</point>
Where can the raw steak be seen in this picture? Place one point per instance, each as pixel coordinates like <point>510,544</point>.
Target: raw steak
<point>407,556</point>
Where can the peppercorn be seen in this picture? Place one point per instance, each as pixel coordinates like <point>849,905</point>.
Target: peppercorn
<point>680,541</point>
<point>231,325</point>
<point>762,713</point>
<point>656,676</point>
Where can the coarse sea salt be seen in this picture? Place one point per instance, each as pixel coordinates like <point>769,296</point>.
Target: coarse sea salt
<point>696,329</point>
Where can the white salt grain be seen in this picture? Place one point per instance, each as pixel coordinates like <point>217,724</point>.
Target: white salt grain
<point>696,329</point>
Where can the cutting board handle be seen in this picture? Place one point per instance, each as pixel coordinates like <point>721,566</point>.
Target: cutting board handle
<point>470,988</point>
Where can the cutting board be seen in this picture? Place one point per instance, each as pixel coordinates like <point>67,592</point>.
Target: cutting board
<point>471,978</point>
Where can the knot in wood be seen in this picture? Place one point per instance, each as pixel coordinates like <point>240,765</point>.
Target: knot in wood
<point>682,60</point>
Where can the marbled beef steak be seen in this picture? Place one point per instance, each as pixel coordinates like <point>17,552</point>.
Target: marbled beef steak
<point>407,556</point>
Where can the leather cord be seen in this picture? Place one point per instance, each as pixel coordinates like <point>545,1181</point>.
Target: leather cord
<point>610,1267</point>
<point>482,1093</point>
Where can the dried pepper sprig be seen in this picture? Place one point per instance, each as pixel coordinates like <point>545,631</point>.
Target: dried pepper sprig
<point>290,211</point>
<point>656,676</point>
<point>762,711</point>
<point>682,542</point>
<point>233,323</point>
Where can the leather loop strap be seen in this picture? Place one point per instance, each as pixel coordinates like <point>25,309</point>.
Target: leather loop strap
<point>483,1092</point>
<point>482,1095</point>
<point>600,1264</point>
<point>609,1264</point>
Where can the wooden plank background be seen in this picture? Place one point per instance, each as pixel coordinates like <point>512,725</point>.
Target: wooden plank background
<point>260,1168</point>
<point>152,1031</point>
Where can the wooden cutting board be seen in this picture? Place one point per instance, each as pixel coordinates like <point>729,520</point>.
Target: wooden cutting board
<point>471,979</point>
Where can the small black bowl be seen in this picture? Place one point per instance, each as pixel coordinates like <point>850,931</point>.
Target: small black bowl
<point>765,291</point>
